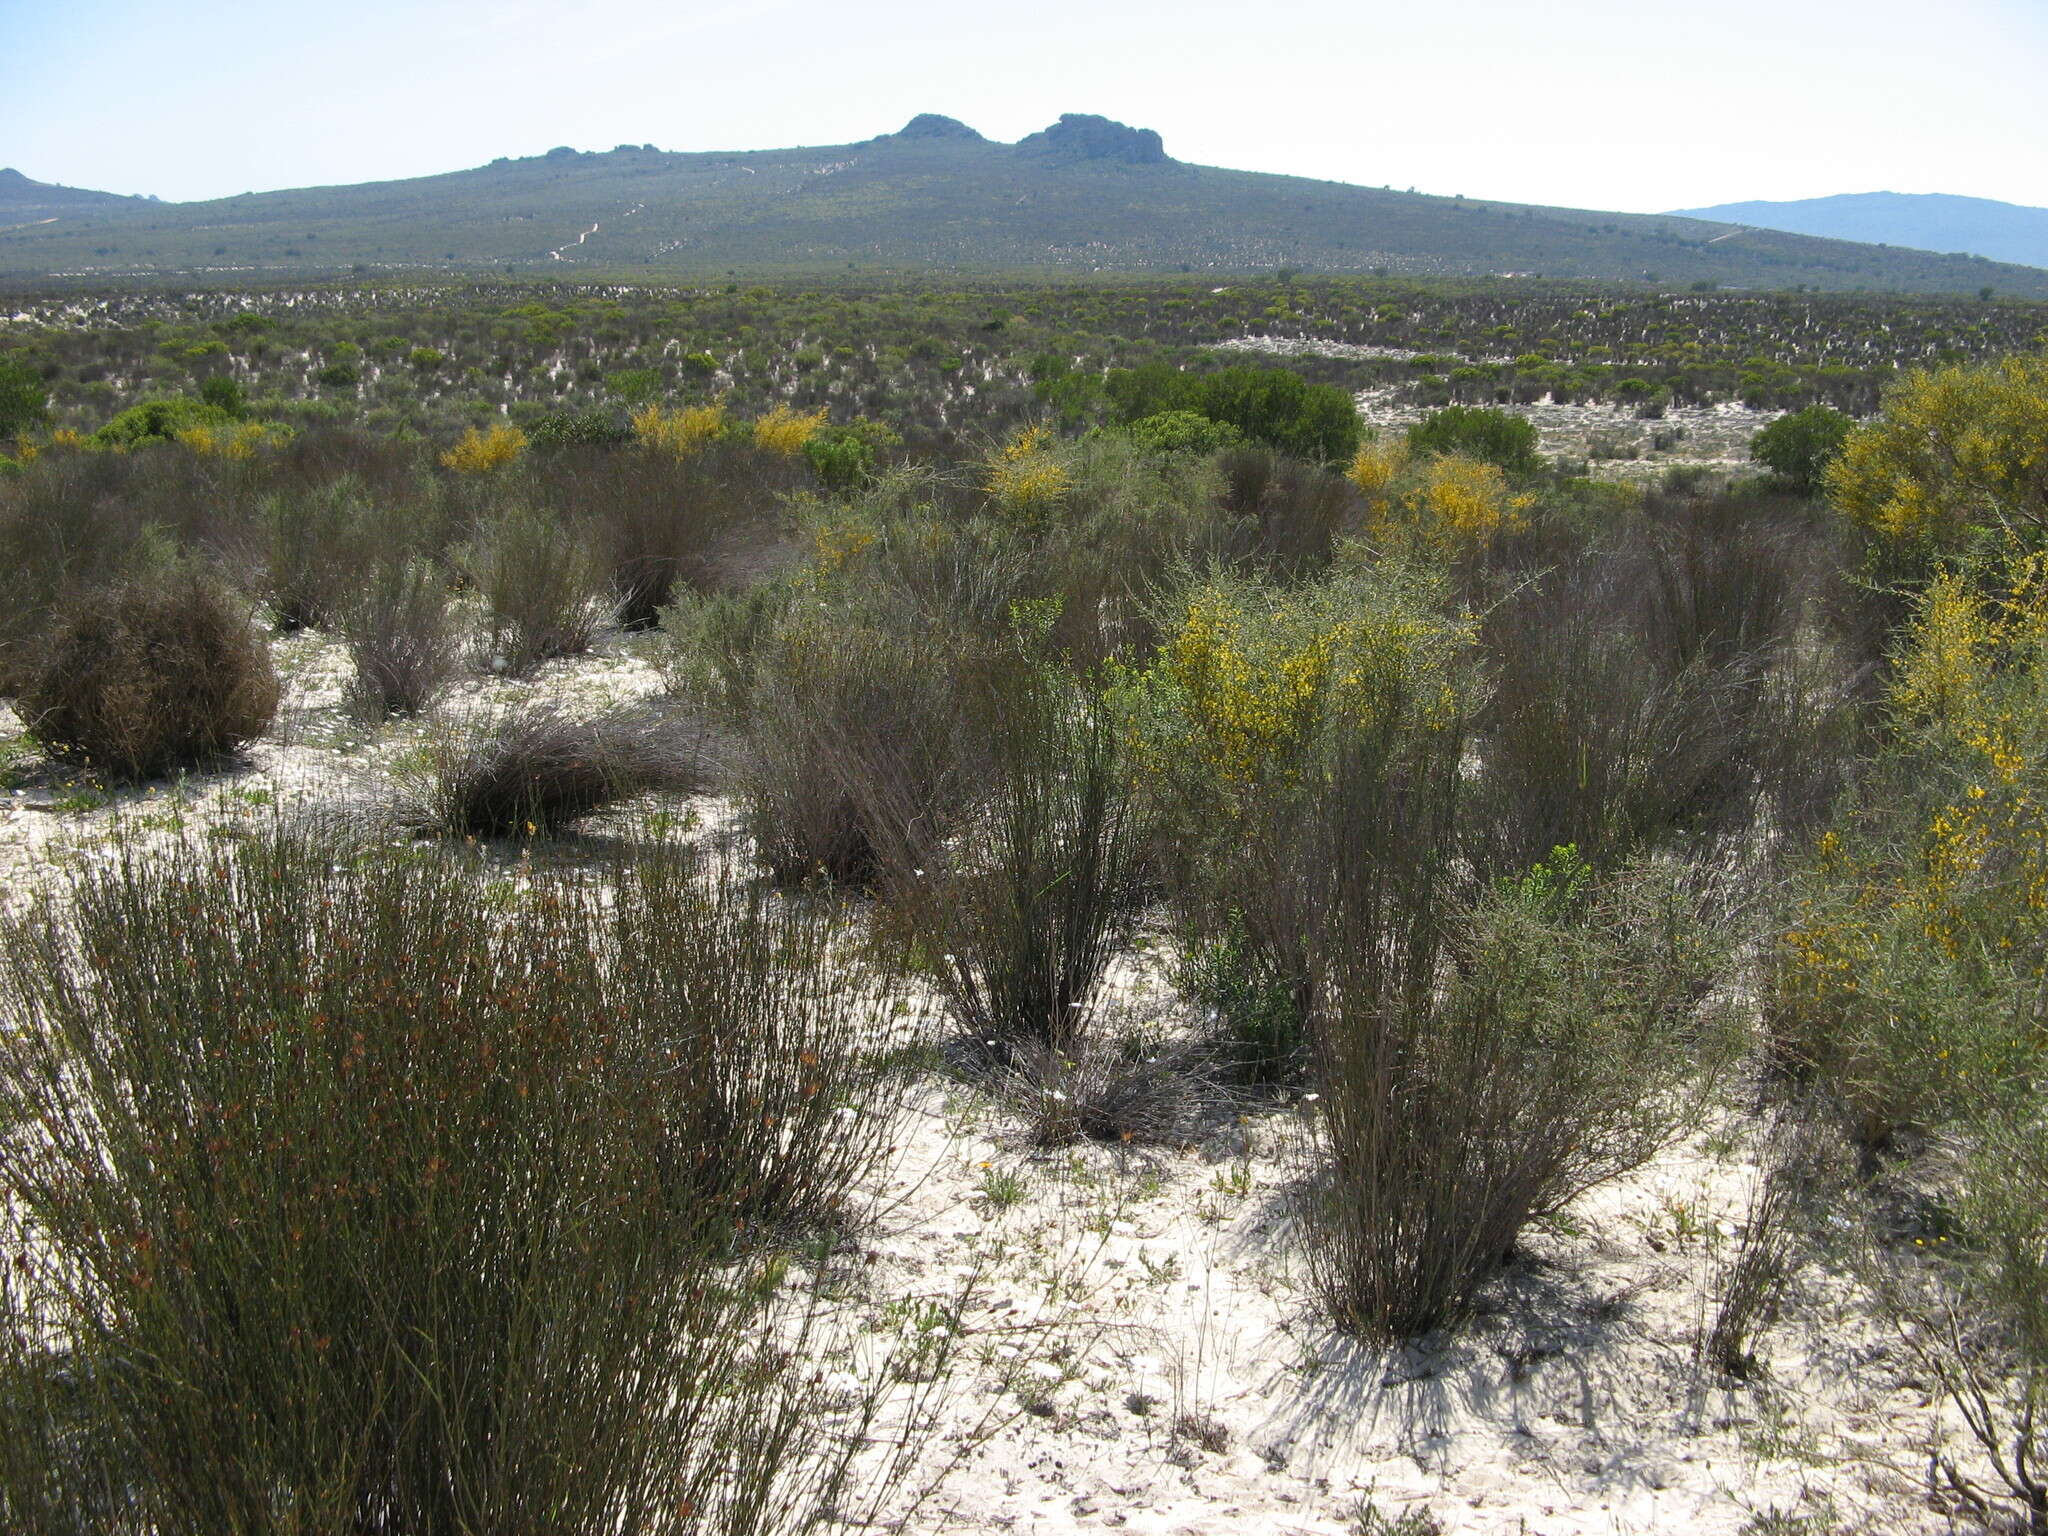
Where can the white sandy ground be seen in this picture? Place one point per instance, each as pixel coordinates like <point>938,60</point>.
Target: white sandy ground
<point>1615,443</point>
<point>1137,1346</point>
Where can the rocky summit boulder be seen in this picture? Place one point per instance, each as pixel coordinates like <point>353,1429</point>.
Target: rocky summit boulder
<point>1083,136</point>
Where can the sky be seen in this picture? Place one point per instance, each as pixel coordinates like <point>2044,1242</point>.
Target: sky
<point>1634,105</point>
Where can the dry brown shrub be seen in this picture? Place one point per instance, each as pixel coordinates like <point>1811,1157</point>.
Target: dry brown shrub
<point>161,672</point>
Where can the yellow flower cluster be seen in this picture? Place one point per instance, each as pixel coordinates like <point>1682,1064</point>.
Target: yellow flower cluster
<point>1256,675</point>
<point>1447,505</point>
<point>785,431</point>
<point>1025,478</point>
<point>1956,448</point>
<point>1375,468</point>
<point>28,450</point>
<point>679,433</point>
<point>838,543</point>
<point>1462,503</point>
<point>479,452</point>
<point>238,440</point>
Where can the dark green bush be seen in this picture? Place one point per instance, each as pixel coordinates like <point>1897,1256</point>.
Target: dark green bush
<point>557,430</point>
<point>24,402</point>
<point>1478,432</point>
<point>843,456</point>
<point>160,419</point>
<point>1274,406</point>
<point>1799,448</point>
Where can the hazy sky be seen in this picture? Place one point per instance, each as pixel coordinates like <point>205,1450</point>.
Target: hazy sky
<point>1639,105</point>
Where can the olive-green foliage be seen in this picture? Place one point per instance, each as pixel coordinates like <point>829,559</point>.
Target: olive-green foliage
<point>1182,432</point>
<point>543,585</point>
<point>1478,432</point>
<point>349,1189</point>
<point>1799,448</point>
<point>160,419</point>
<point>24,402</point>
<point>1275,406</point>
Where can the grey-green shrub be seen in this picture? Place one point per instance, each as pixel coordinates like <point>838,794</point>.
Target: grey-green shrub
<point>353,1189</point>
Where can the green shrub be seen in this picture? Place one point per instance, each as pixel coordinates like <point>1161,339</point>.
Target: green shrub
<point>24,402</point>
<point>160,419</point>
<point>315,546</point>
<point>557,430</point>
<point>355,1190</point>
<point>543,585</point>
<point>159,673</point>
<point>850,740</point>
<point>1499,438</point>
<point>1274,406</point>
<point>1182,432</point>
<point>224,393</point>
<point>1481,1067</point>
<point>1024,910</point>
<point>1799,448</point>
<point>843,456</point>
<point>1255,1016</point>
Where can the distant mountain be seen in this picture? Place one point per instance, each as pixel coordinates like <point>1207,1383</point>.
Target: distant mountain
<point>1086,194</point>
<point>1925,221</point>
<point>23,201</point>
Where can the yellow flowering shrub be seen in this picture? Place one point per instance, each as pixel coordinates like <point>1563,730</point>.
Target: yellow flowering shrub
<point>1956,449</point>
<point>1375,468</point>
<point>1931,901</point>
<point>27,449</point>
<point>1026,479</point>
<point>785,431</point>
<point>680,433</point>
<point>233,440</point>
<point>1443,505</point>
<point>1249,677</point>
<point>478,452</point>
<point>838,542</point>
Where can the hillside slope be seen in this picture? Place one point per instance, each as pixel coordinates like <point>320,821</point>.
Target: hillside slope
<point>23,201</point>
<point>1930,221</point>
<point>1085,195</point>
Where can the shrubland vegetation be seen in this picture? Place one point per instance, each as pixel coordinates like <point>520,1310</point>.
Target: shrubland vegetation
<point>943,368</point>
<point>1497,819</point>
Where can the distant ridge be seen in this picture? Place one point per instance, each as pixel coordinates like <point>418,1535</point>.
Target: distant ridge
<point>23,200</point>
<point>1085,194</point>
<point>1927,221</point>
